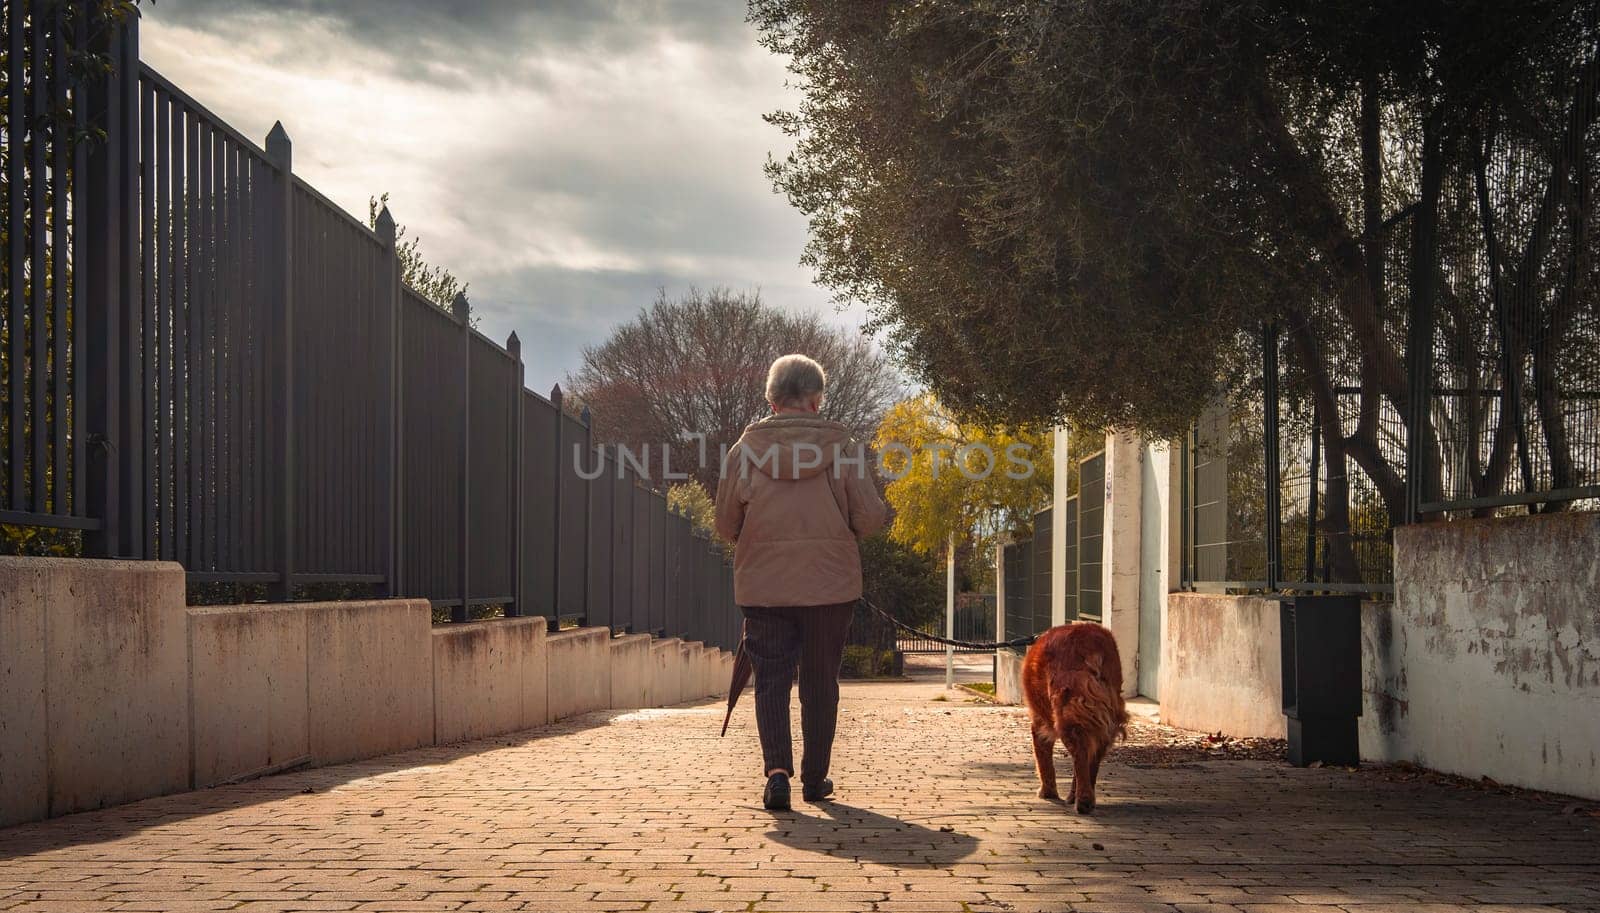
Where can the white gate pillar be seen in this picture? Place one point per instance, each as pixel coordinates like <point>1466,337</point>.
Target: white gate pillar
<point>1060,465</point>
<point>1120,572</point>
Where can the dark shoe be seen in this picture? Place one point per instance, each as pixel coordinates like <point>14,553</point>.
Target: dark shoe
<point>816,792</point>
<point>776,795</point>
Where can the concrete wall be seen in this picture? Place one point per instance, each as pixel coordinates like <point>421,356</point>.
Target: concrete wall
<point>93,678</point>
<point>488,678</point>
<point>1221,667</point>
<point>1008,677</point>
<point>114,691</point>
<point>723,674</point>
<point>370,675</point>
<point>578,664</point>
<point>249,697</point>
<point>632,672</point>
<point>666,672</point>
<point>690,682</point>
<point>1488,661</point>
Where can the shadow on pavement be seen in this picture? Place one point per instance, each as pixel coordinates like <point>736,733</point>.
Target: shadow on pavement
<point>849,832</point>
<point>123,822</point>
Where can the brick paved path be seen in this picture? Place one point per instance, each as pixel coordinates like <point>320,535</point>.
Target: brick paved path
<point>650,810</point>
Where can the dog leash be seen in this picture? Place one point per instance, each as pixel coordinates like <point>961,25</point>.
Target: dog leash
<point>1016,643</point>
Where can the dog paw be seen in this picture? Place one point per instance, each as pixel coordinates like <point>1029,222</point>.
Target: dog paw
<point>1047,793</point>
<point>1085,806</point>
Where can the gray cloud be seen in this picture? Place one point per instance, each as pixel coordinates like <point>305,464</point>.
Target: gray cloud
<point>566,159</point>
<point>499,39</point>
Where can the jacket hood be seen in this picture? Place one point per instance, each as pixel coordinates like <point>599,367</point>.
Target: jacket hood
<point>790,446</point>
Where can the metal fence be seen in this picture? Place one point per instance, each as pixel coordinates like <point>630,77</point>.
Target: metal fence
<point>1027,562</point>
<point>973,621</point>
<point>1486,398</point>
<point>42,433</point>
<point>242,383</point>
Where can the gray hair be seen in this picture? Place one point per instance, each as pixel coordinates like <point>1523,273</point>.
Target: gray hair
<point>793,379</point>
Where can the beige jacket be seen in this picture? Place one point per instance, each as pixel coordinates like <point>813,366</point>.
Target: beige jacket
<point>796,493</point>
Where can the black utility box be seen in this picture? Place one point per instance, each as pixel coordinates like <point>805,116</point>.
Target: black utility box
<point>1322,678</point>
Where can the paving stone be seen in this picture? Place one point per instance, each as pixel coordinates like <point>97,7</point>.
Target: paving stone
<point>935,813</point>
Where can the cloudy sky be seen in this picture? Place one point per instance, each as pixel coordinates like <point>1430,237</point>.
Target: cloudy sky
<point>567,158</point>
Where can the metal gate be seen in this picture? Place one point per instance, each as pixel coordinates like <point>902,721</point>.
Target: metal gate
<point>1091,535</point>
<point>974,621</point>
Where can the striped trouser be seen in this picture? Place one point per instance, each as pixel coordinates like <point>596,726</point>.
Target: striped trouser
<point>778,639</point>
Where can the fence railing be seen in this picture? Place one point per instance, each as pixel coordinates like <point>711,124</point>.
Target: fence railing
<point>42,434</point>
<point>974,621</point>
<point>241,382</point>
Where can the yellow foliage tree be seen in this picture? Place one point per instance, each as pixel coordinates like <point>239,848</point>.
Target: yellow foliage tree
<point>690,499</point>
<point>952,477</point>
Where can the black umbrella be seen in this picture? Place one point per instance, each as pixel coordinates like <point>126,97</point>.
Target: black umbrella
<point>743,667</point>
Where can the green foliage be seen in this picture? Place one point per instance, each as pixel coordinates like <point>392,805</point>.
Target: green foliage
<point>866,662</point>
<point>435,283</point>
<point>905,582</point>
<point>40,541</point>
<point>1088,210</point>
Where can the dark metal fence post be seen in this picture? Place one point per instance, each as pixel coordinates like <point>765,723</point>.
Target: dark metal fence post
<point>514,346</point>
<point>554,622</point>
<point>1269,376</point>
<point>463,315</point>
<point>1186,512</point>
<point>280,154</point>
<point>105,253</point>
<point>667,624</point>
<point>633,544</point>
<point>1311,501</point>
<point>588,515</point>
<point>385,230</point>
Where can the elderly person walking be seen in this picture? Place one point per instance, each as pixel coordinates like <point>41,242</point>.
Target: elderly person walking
<point>795,495</point>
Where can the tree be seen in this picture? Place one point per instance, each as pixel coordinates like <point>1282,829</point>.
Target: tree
<point>905,582</point>
<point>957,478</point>
<point>697,365</point>
<point>1089,210</point>
<point>691,500</point>
<point>434,283</point>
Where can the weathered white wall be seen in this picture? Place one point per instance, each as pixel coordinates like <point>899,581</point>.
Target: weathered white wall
<point>1221,665</point>
<point>1488,661</point>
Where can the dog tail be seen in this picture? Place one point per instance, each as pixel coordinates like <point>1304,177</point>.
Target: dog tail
<point>1098,703</point>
